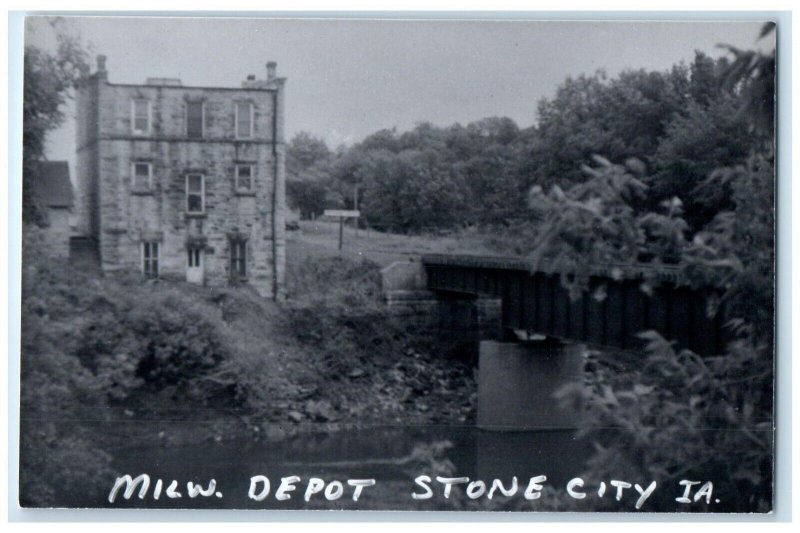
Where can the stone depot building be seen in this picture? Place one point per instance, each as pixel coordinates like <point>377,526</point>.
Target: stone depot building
<point>184,182</point>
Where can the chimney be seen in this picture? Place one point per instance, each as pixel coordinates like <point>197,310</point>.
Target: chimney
<point>101,65</point>
<point>271,66</point>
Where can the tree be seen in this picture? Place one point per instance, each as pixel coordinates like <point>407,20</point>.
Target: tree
<point>413,191</point>
<point>305,151</point>
<point>619,118</point>
<point>705,138</point>
<point>753,72</point>
<point>496,192</point>
<point>48,82</point>
<point>677,415</point>
<point>308,162</point>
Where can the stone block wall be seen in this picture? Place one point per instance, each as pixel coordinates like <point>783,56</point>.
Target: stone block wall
<point>56,234</point>
<point>120,217</point>
<point>458,323</point>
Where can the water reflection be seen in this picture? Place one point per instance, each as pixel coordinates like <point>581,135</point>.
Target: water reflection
<point>393,456</point>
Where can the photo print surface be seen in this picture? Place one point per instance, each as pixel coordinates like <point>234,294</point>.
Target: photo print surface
<point>445,265</point>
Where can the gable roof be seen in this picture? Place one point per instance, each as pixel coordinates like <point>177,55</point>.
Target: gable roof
<point>51,184</point>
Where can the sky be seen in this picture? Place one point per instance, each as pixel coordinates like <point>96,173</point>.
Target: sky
<point>349,78</point>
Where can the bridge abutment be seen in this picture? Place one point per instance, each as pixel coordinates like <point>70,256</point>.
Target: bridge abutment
<point>458,321</point>
<point>518,380</point>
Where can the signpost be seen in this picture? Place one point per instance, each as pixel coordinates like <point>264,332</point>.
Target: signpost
<point>341,214</point>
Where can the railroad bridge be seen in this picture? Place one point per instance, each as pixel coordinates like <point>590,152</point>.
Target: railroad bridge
<point>535,343</point>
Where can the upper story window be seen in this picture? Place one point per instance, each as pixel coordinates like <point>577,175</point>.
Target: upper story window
<point>244,178</point>
<point>195,194</point>
<point>244,120</point>
<point>142,176</point>
<point>140,116</point>
<point>195,120</point>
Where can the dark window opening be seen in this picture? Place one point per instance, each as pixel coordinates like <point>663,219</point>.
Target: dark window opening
<point>194,257</point>
<point>150,259</point>
<point>142,176</point>
<point>194,120</point>
<point>238,259</point>
<point>141,116</point>
<point>195,193</point>
<point>244,177</point>
<point>244,120</point>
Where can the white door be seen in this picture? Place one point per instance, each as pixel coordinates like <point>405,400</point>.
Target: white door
<point>194,269</point>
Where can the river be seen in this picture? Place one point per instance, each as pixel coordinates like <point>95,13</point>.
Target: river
<point>394,456</point>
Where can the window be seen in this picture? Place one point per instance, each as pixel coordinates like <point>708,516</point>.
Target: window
<point>244,120</point>
<point>194,257</point>
<point>195,194</point>
<point>150,259</point>
<point>244,178</point>
<point>194,120</point>
<point>142,176</point>
<point>140,116</point>
<point>238,258</point>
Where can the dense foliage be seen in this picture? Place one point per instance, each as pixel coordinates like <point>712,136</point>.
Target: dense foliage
<point>48,82</point>
<point>93,347</point>
<point>677,415</point>
<point>679,125</point>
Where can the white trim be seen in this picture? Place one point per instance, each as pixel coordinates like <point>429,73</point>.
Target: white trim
<point>134,131</point>
<point>149,174</point>
<point>236,122</point>
<point>202,193</point>
<point>252,177</point>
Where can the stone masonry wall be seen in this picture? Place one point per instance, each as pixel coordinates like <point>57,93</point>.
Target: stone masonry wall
<point>127,216</point>
<point>56,235</point>
<point>86,161</point>
<point>459,323</point>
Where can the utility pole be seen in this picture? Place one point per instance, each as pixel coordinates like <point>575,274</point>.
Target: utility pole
<point>355,208</point>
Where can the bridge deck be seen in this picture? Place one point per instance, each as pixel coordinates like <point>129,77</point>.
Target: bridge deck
<point>537,302</point>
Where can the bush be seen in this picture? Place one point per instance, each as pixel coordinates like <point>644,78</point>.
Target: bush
<point>89,345</point>
<point>675,414</point>
<point>153,341</point>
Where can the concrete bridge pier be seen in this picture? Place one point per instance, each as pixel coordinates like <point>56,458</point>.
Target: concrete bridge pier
<point>525,432</point>
<point>517,382</point>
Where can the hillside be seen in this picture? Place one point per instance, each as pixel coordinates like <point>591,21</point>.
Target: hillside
<point>113,360</point>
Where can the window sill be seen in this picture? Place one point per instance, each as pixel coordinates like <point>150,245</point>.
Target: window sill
<point>196,215</point>
<point>142,192</point>
<point>245,193</point>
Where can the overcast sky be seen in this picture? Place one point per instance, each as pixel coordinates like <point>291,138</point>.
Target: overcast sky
<point>349,78</point>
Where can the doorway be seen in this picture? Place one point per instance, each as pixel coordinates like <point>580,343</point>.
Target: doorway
<point>195,266</point>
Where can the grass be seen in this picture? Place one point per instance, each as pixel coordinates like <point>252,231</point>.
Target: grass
<point>321,238</point>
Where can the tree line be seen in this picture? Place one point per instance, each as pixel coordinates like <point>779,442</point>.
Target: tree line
<point>676,126</point>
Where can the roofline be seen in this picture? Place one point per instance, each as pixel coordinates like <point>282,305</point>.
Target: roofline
<point>201,87</point>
